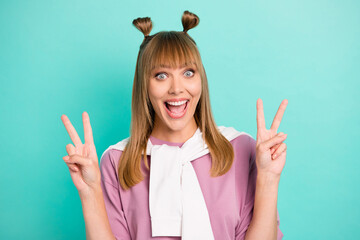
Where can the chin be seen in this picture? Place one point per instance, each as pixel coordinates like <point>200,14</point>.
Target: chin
<point>176,127</point>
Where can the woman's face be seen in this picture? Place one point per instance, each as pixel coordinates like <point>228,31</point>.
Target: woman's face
<point>174,94</point>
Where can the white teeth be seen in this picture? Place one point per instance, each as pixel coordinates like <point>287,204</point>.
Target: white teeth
<point>177,103</point>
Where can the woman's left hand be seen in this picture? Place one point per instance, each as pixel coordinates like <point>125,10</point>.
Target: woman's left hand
<point>270,148</point>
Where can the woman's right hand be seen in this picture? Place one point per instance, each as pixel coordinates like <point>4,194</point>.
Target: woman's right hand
<point>82,159</point>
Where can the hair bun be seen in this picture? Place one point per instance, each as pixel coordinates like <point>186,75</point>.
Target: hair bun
<point>143,24</point>
<point>189,20</point>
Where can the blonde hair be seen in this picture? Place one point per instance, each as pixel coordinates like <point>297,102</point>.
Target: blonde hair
<point>170,48</point>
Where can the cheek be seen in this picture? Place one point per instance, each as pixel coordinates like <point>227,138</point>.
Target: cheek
<point>155,90</point>
<point>195,89</point>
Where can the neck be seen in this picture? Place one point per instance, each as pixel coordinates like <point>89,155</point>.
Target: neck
<point>176,136</point>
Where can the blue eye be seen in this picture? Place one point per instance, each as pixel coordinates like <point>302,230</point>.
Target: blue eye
<point>160,76</point>
<point>189,71</point>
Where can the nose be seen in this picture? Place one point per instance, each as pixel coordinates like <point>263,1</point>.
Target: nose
<point>176,86</point>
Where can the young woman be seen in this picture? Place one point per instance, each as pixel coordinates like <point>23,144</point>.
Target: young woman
<point>178,175</point>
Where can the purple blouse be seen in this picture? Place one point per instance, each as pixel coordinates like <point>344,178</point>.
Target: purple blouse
<point>229,198</point>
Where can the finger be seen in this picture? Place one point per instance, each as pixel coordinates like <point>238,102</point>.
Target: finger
<point>277,139</point>
<point>87,128</point>
<point>273,148</point>
<point>279,114</point>
<point>70,149</point>
<point>76,159</point>
<point>260,115</point>
<point>281,154</point>
<point>72,167</point>
<point>278,151</point>
<point>71,131</point>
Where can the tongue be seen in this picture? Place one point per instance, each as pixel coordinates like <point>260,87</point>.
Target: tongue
<point>176,109</point>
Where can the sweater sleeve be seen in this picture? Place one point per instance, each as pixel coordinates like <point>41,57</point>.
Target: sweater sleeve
<point>112,199</point>
<point>247,211</point>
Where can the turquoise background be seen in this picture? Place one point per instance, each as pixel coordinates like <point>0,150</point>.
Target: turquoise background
<point>66,57</point>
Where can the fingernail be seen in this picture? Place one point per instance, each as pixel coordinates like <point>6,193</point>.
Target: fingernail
<point>66,158</point>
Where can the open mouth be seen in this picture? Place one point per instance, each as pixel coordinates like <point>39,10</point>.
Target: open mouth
<point>176,109</point>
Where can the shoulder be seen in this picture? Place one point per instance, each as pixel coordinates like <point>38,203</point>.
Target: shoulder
<point>238,138</point>
<point>114,150</point>
<point>110,155</point>
<point>109,160</point>
<point>243,139</point>
<point>244,146</point>
<point>109,163</point>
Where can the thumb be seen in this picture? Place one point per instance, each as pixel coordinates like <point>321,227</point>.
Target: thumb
<point>76,159</point>
<point>274,140</point>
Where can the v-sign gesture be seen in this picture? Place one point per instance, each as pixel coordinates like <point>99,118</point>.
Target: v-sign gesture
<point>270,148</point>
<point>82,159</point>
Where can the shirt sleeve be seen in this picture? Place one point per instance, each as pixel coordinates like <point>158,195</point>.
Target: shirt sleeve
<point>247,211</point>
<point>111,193</point>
